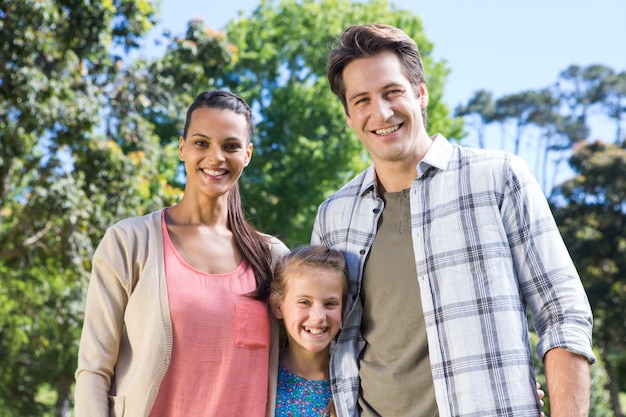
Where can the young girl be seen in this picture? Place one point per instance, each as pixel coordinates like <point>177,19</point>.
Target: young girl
<point>307,294</point>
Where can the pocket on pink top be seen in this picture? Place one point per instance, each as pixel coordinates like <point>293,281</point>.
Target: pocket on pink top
<point>252,327</point>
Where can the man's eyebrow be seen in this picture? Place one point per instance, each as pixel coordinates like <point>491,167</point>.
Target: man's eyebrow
<point>364,93</point>
<point>352,97</point>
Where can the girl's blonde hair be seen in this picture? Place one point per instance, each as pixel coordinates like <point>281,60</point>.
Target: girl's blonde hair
<point>312,256</point>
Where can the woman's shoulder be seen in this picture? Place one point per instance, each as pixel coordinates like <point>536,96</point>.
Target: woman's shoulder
<point>137,228</point>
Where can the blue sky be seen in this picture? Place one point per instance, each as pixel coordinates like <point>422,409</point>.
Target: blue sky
<point>502,46</point>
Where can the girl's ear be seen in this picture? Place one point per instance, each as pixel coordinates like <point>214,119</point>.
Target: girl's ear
<point>275,306</point>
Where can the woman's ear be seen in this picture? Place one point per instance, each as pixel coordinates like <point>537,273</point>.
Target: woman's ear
<point>275,306</point>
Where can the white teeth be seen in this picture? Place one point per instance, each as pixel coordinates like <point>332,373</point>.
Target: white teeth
<point>213,172</point>
<point>387,130</point>
<point>316,331</point>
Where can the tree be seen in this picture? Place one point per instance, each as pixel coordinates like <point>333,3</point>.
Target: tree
<point>520,108</point>
<point>482,106</point>
<point>55,59</point>
<point>581,88</point>
<point>614,87</point>
<point>591,212</point>
<point>303,147</point>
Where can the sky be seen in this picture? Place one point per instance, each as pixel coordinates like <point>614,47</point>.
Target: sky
<point>501,46</point>
<point>505,47</point>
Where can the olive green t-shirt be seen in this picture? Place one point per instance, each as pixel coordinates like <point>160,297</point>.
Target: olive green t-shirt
<point>395,372</point>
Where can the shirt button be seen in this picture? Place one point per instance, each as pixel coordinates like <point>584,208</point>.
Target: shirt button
<point>376,210</point>
<point>362,251</point>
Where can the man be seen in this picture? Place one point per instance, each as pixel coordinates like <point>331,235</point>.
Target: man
<point>446,248</point>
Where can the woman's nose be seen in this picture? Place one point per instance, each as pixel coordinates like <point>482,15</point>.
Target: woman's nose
<point>215,154</point>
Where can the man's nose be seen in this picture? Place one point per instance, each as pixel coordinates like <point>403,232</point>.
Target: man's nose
<point>383,110</point>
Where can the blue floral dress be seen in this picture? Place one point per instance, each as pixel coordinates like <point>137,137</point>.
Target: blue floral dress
<point>299,397</point>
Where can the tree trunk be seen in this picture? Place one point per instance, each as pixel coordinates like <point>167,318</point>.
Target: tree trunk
<point>63,407</point>
<point>613,386</point>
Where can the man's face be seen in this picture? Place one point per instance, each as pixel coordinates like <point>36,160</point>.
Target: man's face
<point>383,108</point>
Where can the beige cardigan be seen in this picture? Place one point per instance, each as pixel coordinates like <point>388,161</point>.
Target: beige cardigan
<point>127,306</point>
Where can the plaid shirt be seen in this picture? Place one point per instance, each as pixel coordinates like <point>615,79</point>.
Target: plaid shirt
<point>486,248</point>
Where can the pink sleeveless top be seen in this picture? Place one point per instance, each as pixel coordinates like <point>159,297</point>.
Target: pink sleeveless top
<point>220,355</point>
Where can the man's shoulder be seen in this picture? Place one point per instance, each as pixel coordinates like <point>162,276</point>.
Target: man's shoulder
<point>485,159</point>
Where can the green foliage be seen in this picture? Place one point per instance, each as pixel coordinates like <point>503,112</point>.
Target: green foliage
<point>304,149</point>
<point>55,66</point>
<point>591,214</point>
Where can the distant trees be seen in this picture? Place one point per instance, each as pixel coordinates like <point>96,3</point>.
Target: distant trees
<point>62,182</point>
<point>551,120</point>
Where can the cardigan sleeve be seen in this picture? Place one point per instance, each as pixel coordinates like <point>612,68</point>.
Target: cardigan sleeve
<point>107,295</point>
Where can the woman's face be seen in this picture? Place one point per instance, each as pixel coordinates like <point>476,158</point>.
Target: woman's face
<point>215,151</point>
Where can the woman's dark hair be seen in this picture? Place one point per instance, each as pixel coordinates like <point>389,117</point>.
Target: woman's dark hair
<point>254,246</point>
<point>364,41</point>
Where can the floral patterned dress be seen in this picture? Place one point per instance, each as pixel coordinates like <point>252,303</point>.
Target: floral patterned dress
<point>299,397</point>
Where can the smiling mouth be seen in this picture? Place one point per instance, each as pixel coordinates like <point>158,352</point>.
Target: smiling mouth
<point>315,331</point>
<point>387,130</point>
<point>214,172</point>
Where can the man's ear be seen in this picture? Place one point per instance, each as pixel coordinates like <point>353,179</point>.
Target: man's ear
<point>275,306</point>
<point>423,95</point>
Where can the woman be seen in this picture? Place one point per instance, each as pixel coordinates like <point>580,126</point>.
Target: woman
<point>176,320</point>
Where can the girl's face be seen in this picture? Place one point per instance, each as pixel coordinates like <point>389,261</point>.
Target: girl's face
<point>312,307</point>
<point>215,151</point>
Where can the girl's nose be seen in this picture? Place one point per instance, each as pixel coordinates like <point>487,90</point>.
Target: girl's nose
<point>318,313</point>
